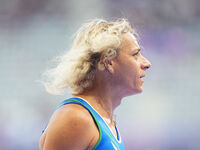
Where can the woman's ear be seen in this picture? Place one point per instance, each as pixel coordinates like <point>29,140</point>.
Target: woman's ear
<point>105,60</point>
<point>110,68</point>
<point>104,63</point>
<point>108,65</point>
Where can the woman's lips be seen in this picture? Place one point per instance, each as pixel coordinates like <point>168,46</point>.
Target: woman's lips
<point>142,77</point>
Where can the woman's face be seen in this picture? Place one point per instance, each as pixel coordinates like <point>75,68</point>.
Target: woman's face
<point>129,66</point>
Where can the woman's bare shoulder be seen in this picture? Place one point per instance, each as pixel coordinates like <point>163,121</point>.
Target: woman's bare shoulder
<point>70,127</point>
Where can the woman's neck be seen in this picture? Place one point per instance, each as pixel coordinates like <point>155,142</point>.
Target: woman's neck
<point>102,100</point>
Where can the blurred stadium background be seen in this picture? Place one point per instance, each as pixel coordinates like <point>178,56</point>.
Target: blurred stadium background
<point>166,116</point>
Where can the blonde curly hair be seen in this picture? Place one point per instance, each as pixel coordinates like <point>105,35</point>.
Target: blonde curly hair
<point>76,68</point>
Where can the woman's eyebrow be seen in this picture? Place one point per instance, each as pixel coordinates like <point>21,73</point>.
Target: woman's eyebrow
<point>136,50</point>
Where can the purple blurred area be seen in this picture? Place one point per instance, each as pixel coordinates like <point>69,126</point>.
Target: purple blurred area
<point>166,116</point>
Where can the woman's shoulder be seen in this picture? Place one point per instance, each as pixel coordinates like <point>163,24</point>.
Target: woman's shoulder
<point>72,115</point>
<point>68,124</point>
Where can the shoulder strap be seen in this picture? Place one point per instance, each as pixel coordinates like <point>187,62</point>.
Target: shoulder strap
<point>81,102</point>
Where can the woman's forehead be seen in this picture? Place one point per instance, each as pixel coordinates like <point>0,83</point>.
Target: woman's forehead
<point>129,43</point>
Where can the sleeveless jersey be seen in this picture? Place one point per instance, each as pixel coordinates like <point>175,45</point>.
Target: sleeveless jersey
<point>107,140</point>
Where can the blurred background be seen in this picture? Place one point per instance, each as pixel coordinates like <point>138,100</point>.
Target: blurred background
<point>166,116</point>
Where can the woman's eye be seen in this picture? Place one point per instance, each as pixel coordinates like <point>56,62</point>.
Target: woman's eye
<point>135,54</point>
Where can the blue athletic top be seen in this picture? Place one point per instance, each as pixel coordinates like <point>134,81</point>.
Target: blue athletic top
<point>107,140</point>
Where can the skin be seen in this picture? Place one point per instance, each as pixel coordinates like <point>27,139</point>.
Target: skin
<point>122,77</point>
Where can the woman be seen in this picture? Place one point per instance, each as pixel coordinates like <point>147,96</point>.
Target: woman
<point>103,66</point>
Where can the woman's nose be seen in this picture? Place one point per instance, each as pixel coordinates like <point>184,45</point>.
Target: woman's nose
<point>145,64</point>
